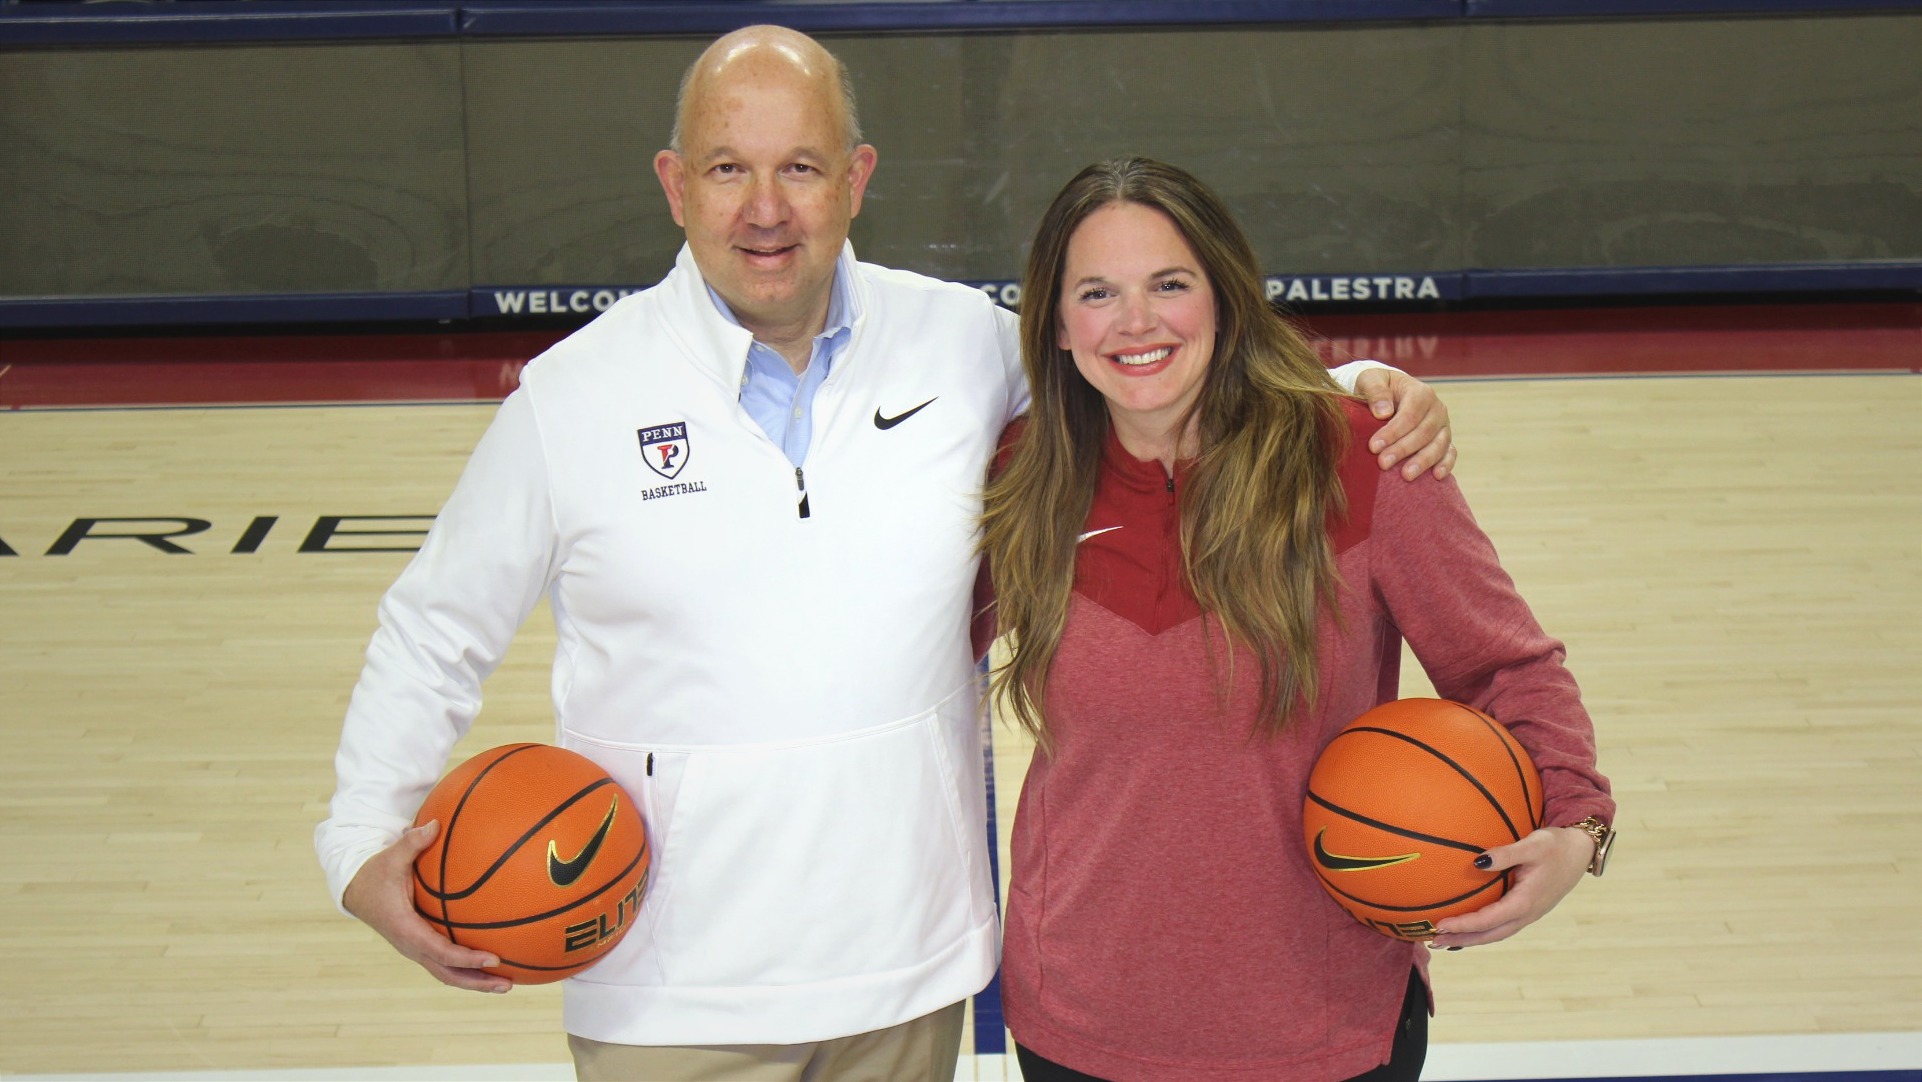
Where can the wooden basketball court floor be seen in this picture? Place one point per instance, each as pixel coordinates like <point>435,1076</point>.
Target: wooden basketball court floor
<point>1720,511</point>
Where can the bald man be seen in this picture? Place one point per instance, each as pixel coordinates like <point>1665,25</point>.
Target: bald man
<point>750,494</point>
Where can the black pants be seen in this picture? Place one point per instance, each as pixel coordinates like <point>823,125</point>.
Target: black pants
<point>1404,1062</point>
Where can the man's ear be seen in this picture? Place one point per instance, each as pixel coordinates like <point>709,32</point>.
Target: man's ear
<point>667,166</point>
<point>860,168</point>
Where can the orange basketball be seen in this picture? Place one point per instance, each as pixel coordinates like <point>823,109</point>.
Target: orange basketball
<point>1403,800</point>
<point>541,860</point>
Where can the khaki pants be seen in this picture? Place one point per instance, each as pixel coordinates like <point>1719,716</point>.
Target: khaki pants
<point>923,1050</point>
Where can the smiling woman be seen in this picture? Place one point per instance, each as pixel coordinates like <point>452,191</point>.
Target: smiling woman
<point>1203,578</point>
<point>1139,317</point>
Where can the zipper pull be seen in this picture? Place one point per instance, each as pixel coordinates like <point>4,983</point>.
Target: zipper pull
<point>1171,484</point>
<point>801,482</point>
<point>650,764</point>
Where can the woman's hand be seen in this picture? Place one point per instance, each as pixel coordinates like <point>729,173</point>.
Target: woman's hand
<point>1547,863</point>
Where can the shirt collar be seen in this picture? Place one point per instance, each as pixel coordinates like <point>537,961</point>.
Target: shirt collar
<point>1141,475</point>
<point>719,345</point>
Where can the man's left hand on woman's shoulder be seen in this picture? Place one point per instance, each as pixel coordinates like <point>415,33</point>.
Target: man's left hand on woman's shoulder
<point>1417,435</point>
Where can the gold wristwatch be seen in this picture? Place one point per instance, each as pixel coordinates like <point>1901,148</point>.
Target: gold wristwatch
<point>1604,836</point>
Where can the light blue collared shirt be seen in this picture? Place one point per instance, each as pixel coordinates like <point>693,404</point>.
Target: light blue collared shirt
<point>781,402</point>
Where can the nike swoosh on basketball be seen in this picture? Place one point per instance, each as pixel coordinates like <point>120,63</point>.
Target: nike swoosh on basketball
<point>885,423</point>
<point>564,872</point>
<point>1335,862</point>
<point>1095,533</point>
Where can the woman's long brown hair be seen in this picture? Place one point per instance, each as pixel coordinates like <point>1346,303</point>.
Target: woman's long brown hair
<point>1255,550</point>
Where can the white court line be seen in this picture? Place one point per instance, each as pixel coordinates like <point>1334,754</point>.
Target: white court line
<point>1674,1055</point>
<point>1446,1062</point>
<point>493,1072</point>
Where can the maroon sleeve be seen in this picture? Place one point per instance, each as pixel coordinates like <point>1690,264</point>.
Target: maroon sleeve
<point>1438,579</point>
<point>983,625</point>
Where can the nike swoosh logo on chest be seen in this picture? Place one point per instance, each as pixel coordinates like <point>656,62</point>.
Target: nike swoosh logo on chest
<point>884,422</point>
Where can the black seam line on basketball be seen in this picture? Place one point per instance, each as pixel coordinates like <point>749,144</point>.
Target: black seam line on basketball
<point>559,809</point>
<point>885,423</point>
<point>562,873</point>
<point>1422,908</point>
<point>1506,738</point>
<point>447,829</point>
<point>1457,768</point>
<point>532,917</point>
<point>1392,829</point>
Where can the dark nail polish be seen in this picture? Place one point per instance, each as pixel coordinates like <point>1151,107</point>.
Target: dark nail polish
<point>1484,861</point>
<point>1454,948</point>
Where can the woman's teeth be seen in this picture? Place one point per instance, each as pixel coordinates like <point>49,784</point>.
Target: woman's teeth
<point>1137,359</point>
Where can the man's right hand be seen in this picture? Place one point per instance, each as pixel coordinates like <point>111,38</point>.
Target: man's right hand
<point>381,895</point>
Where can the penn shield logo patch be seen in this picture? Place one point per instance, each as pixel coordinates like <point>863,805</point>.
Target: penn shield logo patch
<point>1336,862</point>
<point>665,449</point>
<point>563,873</point>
